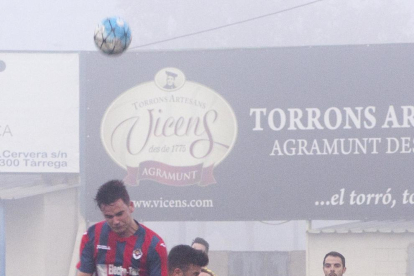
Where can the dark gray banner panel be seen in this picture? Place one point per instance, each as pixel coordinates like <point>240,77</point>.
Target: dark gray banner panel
<point>253,134</point>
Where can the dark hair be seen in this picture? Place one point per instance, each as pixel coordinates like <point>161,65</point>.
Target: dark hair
<point>335,254</point>
<point>110,192</point>
<point>201,241</point>
<point>182,256</point>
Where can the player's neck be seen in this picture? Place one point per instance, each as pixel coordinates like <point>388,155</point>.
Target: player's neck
<point>131,230</point>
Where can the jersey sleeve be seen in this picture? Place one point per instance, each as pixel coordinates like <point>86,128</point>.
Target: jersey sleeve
<point>157,262</point>
<point>86,262</point>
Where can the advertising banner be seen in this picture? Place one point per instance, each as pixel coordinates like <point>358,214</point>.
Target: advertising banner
<point>39,113</point>
<point>253,134</point>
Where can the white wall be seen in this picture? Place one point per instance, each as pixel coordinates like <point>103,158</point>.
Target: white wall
<point>235,235</point>
<point>369,254</point>
<point>239,235</point>
<point>40,233</point>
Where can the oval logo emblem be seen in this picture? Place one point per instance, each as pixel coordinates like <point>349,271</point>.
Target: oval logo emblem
<point>170,130</point>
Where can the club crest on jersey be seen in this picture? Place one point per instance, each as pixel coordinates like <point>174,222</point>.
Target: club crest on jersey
<point>137,254</point>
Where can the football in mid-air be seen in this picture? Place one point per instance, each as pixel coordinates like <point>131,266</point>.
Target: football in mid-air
<point>112,36</point>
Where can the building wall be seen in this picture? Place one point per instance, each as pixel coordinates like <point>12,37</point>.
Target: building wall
<point>275,263</point>
<point>369,254</point>
<point>234,235</point>
<point>61,209</point>
<point>218,262</point>
<point>40,233</point>
<point>25,252</point>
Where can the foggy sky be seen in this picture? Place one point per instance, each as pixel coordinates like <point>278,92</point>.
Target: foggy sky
<point>62,25</point>
<point>33,25</point>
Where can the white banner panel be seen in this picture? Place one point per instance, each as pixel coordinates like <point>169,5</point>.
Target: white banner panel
<point>39,113</point>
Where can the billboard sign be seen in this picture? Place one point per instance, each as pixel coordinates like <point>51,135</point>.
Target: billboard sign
<point>254,134</point>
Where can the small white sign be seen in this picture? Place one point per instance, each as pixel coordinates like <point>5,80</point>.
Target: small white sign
<point>39,112</point>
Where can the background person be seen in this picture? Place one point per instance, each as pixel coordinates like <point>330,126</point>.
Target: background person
<point>334,264</point>
<point>202,245</point>
<point>119,245</point>
<point>183,260</point>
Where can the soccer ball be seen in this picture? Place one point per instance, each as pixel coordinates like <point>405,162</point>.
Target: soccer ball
<point>112,36</point>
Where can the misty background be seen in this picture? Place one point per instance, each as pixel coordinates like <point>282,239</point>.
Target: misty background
<point>59,25</point>
<point>68,26</point>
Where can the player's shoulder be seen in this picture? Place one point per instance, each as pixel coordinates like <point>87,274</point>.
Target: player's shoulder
<point>97,225</point>
<point>148,230</point>
<point>94,228</point>
<point>151,234</point>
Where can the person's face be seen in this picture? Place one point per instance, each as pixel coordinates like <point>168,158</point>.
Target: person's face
<point>170,80</point>
<point>333,266</point>
<point>193,270</point>
<point>119,217</point>
<point>199,246</point>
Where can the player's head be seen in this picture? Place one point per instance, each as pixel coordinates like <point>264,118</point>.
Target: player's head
<point>183,260</point>
<point>110,192</point>
<point>334,264</point>
<point>200,244</point>
<point>116,207</point>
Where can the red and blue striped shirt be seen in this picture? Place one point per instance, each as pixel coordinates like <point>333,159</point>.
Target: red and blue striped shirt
<point>106,253</point>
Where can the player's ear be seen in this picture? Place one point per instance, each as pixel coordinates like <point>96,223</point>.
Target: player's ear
<point>131,206</point>
<point>344,269</point>
<point>178,272</point>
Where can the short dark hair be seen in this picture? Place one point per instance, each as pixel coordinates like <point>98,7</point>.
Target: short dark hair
<point>335,254</point>
<point>110,192</point>
<point>201,241</point>
<point>182,256</point>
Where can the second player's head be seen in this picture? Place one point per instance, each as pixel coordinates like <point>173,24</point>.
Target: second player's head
<point>183,260</point>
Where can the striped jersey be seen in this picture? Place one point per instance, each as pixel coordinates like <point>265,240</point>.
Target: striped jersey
<point>106,253</point>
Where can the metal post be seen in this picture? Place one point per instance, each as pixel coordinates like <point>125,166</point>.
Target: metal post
<point>308,227</point>
<point>2,240</point>
<point>410,260</point>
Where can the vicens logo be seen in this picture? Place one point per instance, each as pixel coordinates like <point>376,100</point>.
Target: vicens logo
<point>170,130</point>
